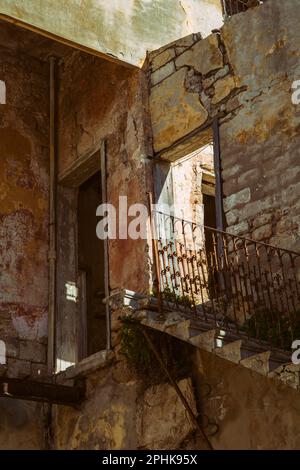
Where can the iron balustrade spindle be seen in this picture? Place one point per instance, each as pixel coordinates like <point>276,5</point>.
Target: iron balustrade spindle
<point>244,285</point>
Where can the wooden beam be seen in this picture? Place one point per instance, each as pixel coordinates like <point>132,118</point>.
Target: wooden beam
<point>41,392</point>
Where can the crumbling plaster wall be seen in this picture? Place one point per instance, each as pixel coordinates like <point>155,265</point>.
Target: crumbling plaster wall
<point>244,76</point>
<point>253,412</point>
<point>23,239</point>
<point>120,414</point>
<point>24,212</point>
<point>123,29</point>
<point>102,100</point>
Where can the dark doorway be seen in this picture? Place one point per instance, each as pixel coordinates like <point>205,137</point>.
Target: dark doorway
<point>92,321</point>
<point>209,203</point>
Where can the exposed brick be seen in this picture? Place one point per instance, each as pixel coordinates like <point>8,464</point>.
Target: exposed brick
<point>239,229</point>
<point>242,197</point>
<point>262,219</point>
<point>262,233</point>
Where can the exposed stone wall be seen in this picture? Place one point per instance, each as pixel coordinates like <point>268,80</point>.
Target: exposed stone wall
<point>23,239</point>
<point>244,76</point>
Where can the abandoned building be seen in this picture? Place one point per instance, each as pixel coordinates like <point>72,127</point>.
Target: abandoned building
<point>181,339</point>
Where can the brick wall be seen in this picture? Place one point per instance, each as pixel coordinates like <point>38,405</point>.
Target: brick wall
<point>243,76</point>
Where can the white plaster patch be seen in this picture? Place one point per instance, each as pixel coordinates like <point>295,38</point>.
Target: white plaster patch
<point>2,352</point>
<point>35,331</point>
<point>2,92</point>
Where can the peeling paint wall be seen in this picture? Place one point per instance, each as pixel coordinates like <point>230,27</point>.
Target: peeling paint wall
<point>244,76</point>
<point>23,240</point>
<point>253,412</point>
<point>120,29</point>
<point>101,100</point>
<point>120,414</point>
<point>24,212</point>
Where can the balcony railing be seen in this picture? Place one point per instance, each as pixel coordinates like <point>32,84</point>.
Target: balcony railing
<point>232,7</point>
<point>244,285</point>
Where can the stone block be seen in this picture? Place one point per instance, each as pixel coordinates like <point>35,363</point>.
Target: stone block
<point>258,363</point>
<point>262,219</point>
<point>162,73</point>
<point>223,88</point>
<point>204,56</point>
<point>162,59</point>
<point>174,111</point>
<point>262,233</point>
<point>237,199</point>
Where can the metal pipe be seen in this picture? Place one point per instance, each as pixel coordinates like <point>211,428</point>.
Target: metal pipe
<point>217,167</point>
<point>106,246</point>
<point>155,250</point>
<point>52,223</point>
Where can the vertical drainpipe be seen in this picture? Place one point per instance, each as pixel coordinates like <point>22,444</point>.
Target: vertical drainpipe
<point>52,224</point>
<point>217,166</point>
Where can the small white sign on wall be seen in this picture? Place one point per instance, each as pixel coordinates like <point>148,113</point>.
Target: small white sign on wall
<point>2,352</point>
<point>2,92</point>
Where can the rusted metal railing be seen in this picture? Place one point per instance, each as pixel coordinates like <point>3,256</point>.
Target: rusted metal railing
<point>247,286</point>
<point>232,7</point>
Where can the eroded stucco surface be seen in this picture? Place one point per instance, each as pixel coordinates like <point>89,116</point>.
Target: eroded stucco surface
<point>23,241</point>
<point>123,29</point>
<point>252,412</point>
<point>243,76</point>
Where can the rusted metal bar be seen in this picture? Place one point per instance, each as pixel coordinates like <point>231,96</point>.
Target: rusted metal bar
<point>155,250</point>
<point>106,248</point>
<point>41,392</point>
<point>177,389</point>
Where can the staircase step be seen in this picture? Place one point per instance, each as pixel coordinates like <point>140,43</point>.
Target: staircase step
<point>205,340</point>
<point>231,351</point>
<point>289,374</point>
<point>258,362</point>
<point>179,330</point>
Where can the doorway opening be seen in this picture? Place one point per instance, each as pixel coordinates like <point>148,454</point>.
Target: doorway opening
<point>91,273</point>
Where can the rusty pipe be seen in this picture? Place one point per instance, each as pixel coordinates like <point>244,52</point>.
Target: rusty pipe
<point>52,222</point>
